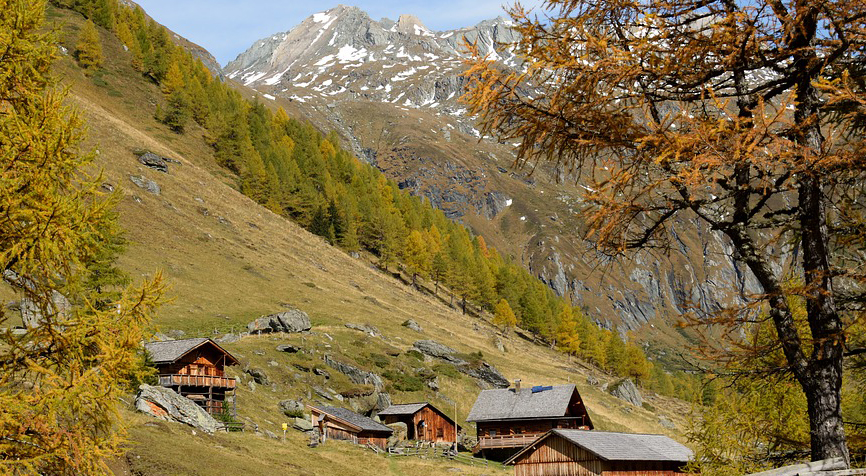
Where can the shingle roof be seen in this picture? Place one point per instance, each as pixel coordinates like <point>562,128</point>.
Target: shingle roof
<point>168,351</point>
<point>620,446</point>
<point>353,418</point>
<point>506,404</point>
<point>412,408</point>
<point>403,409</point>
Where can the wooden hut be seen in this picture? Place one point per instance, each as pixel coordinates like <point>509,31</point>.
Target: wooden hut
<point>600,453</point>
<point>424,422</point>
<point>195,368</point>
<point>341,424</point>
<point>508,419</point>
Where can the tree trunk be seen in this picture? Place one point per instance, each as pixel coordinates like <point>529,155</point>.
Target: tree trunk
<point>822,381</point>
<point>826,434</point>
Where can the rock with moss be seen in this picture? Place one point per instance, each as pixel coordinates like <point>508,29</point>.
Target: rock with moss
<point>294,320</point>
<point>166,404</point>
<point>626,390</point>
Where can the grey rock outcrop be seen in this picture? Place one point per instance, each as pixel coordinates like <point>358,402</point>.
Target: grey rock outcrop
<point>365,328</point>
<point>486,373</point>
<point>292,408</point>
<point>383,401</point>
<point>411,324</point>
<point>435,349</point>
<point>302,424</point>
<point>165,404</point>
<point>146,184</point>
<point>355,374</point>
<point>628,391</point>
<point>288,348</point>
<point>294,320</point>
<point>228,338</point>
<point>153,161</point>
<point>258,375</point>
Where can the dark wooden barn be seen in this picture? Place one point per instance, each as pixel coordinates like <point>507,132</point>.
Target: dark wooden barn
<point>195,368</point>
<point>508,419</point>
<point>600,453</point>
<point>341,424</point>
<point>424,422</point>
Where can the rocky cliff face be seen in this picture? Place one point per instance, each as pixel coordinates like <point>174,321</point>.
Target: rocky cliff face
<point>391,89</point>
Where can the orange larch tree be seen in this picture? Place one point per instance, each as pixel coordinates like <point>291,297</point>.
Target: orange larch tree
<point>745,115</point>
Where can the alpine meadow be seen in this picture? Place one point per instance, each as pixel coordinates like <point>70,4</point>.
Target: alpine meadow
<point>576,238</point>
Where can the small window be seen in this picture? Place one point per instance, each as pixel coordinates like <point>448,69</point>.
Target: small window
<point>492,432</point>
<point>440,432</point>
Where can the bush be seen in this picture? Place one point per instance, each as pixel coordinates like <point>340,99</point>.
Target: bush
<point>379,360</point>
<point>405,382</point>
<point>414,353</point>
<point>446,370</point>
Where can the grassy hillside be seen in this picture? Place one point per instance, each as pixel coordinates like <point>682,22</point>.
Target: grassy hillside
<point>229,260</point>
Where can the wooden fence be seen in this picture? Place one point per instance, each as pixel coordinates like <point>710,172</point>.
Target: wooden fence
<point>445,453</point>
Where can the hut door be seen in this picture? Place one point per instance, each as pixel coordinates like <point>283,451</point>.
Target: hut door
<point>419,433</point>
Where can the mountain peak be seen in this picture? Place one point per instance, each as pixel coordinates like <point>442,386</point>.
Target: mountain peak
<point>411,25</point>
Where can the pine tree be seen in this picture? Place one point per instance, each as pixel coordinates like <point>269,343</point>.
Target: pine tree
<point>88,50</point>
<point>615,354</point>
<point>415,256</point>
<point>503,316</point>
<point>635,364</point>
<point>174,78</point>
<point>439,269</point>
<point>61,380</point>
<point>567,333</point>
<point>177,111</point>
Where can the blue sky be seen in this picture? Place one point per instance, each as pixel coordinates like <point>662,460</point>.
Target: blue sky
<point>228,27</point>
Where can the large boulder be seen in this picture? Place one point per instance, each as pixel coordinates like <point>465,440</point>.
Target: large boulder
<point>166,404</point>
<point>258,375</point>
<point>292,408</point>
<point>302,424</point>
<point>355,374</point>
<point>149,159</point>
<point>435,349</point>
<point>401,433</point>
<point>294,320</point>
<point>466,442</point>
<point>627,390</point>
<point>412,324</point>
<point>486,373</point>
<point>145,183</point>
<point>372,331</point>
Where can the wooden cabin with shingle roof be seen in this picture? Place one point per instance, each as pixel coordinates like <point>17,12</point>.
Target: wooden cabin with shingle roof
<point>195,368</point>
<point>510,418</point>
<point>341,424</point>
<point>600,453</point>
<point>424,422</point>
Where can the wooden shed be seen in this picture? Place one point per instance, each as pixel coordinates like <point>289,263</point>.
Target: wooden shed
<point>195,368</point>
<point>600,453</point>
<point>424,422</point>
<point>341,424</point>
<point>510,418</point>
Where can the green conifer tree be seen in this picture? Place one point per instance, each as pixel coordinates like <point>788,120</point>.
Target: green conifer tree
<point>88,50</point>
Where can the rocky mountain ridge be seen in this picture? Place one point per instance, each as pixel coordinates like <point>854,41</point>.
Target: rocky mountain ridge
<point>391,90</point>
